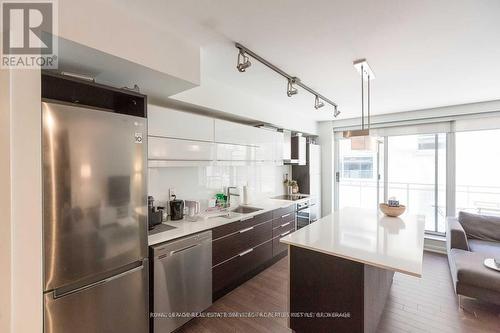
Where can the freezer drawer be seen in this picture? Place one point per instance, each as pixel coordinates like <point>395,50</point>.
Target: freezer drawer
<point>115,305</point>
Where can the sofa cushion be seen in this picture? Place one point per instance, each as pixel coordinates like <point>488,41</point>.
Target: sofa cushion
<point>480,226</point>
<point>491,249</point>
<point>469,270</point>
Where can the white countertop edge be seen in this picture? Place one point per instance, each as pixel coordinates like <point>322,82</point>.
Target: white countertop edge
<point>203,225</point>
<point>344,256</point>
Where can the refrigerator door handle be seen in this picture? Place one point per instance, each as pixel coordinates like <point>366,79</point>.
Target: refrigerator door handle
<point>97,283</point>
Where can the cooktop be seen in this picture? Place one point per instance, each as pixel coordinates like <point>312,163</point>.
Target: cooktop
<point>291,197</point>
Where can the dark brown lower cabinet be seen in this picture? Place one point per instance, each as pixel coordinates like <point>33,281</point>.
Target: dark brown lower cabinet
<point>243,248</point>
<point>229,274</point>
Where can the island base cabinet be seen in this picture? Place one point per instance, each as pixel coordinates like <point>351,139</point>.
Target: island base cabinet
<point>234,271</point>
<point>348,295</point>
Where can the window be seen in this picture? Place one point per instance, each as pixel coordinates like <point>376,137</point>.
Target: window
<point>478,172</point>
<point>420,171</point>
<point>428,142</point>
<point>358,184</point>
<point>358,167</point>
<point>417,176</point>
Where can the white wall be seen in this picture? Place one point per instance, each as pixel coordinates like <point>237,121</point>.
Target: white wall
<point>113,28</point>
<point>203,182</point>
<point>5,224</point>
<point>325,132</point>
<point>24,227</point>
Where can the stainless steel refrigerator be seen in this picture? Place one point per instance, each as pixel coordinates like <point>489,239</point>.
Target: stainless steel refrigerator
<point>94,220</point>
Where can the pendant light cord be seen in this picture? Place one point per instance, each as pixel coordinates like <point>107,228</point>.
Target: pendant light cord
<point>362,100</point>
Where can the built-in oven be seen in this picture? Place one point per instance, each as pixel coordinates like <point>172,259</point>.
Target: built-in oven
<point>306,213</point>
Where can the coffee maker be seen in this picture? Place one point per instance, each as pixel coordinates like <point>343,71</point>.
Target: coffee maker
<point>176,209</point>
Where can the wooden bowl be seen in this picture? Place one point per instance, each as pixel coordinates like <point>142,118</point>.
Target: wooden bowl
<point>392,211</point>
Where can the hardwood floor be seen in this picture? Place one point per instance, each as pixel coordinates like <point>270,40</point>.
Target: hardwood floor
<point>414,305</point>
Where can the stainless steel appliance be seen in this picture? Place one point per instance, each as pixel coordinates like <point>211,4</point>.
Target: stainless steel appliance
<point>182,271</point>
<point>94,218</point>
<point>291,197</point>
<point>306,213</point>
<point>297,150</point>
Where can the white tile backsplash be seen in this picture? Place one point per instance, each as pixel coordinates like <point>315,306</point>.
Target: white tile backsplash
<point>202,182</point>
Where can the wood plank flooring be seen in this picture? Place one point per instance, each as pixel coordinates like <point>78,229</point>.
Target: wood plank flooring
<point>414,305</point>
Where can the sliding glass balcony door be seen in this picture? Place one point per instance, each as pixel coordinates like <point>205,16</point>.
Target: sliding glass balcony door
<point>359,176</point>
<point>477,172</point>
<point>416,176</point>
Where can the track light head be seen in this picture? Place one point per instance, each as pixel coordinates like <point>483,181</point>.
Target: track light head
<point>243,62</point>
<point>317,103</point>
<point>290,91</point>
<point>336,112</point>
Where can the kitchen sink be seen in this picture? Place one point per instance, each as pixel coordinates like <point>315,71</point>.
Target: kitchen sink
<point>245,209</point>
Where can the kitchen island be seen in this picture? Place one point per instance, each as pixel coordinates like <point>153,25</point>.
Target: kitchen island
<point>341,268</point>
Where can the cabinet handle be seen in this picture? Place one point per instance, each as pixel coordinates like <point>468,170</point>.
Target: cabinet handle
<point>245,252</point>
<point>246,218</point>
<point>245,230</point>
<point>285,224</point>
<point>285,233</point>
<point>283,216</point>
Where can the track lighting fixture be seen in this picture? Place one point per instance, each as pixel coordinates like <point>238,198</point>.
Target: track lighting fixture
<point>317,103</point>
<point>243,62</point>
<point>336,112</point>
<point>290,91</point>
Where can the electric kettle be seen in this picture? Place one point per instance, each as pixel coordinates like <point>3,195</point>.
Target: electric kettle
<point>176,209</point>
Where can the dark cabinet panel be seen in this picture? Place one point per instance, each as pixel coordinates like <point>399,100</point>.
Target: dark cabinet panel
<point>283,228</point>
<point>233,244</point>
<point>231,272</point>
<point>278,247</point>
<point>230,228</point>
<point>278,213</point>
<point>283,219</point>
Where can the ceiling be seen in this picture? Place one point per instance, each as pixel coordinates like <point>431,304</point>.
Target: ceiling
<point>424,53</point>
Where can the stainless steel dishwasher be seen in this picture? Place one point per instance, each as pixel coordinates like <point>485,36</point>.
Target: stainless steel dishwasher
<point>182,273</point>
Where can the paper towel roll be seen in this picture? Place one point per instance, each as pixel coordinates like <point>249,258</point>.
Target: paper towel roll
<point>245,200</point>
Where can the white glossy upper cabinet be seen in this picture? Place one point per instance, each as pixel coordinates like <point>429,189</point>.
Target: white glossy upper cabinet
<point>170,123</point>
<point>234,133</point>
<point>264,139</point>
<point>164,152</point>
<point>278,144</point>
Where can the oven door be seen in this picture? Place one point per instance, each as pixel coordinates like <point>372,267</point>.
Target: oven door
<point>303,217</point>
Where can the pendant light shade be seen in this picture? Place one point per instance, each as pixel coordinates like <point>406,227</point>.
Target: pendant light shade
<point>366,142</point>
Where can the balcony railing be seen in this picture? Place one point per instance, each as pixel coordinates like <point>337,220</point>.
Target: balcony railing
<point>419,198</point>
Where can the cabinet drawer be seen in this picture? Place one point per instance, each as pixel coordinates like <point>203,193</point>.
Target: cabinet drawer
<point>281,229</point>
<point>285,218</point>
<point>279,247</point>
<point>231,271</point>
<point>230,228</point>
<point>230,246</point>
<point>283,211</point>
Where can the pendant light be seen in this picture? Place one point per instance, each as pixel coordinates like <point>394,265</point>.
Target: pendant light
<point>361,139</point>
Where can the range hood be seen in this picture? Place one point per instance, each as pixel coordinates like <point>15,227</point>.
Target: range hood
<point>294,152</point>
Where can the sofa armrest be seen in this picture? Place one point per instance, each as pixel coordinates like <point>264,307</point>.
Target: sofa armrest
<point>455,235</point>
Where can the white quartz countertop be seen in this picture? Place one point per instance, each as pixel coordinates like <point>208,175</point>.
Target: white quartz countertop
<point>367,236</point>
<point>185,227</point>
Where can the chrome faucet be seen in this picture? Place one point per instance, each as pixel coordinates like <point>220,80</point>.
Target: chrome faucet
<point>229,194</point>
